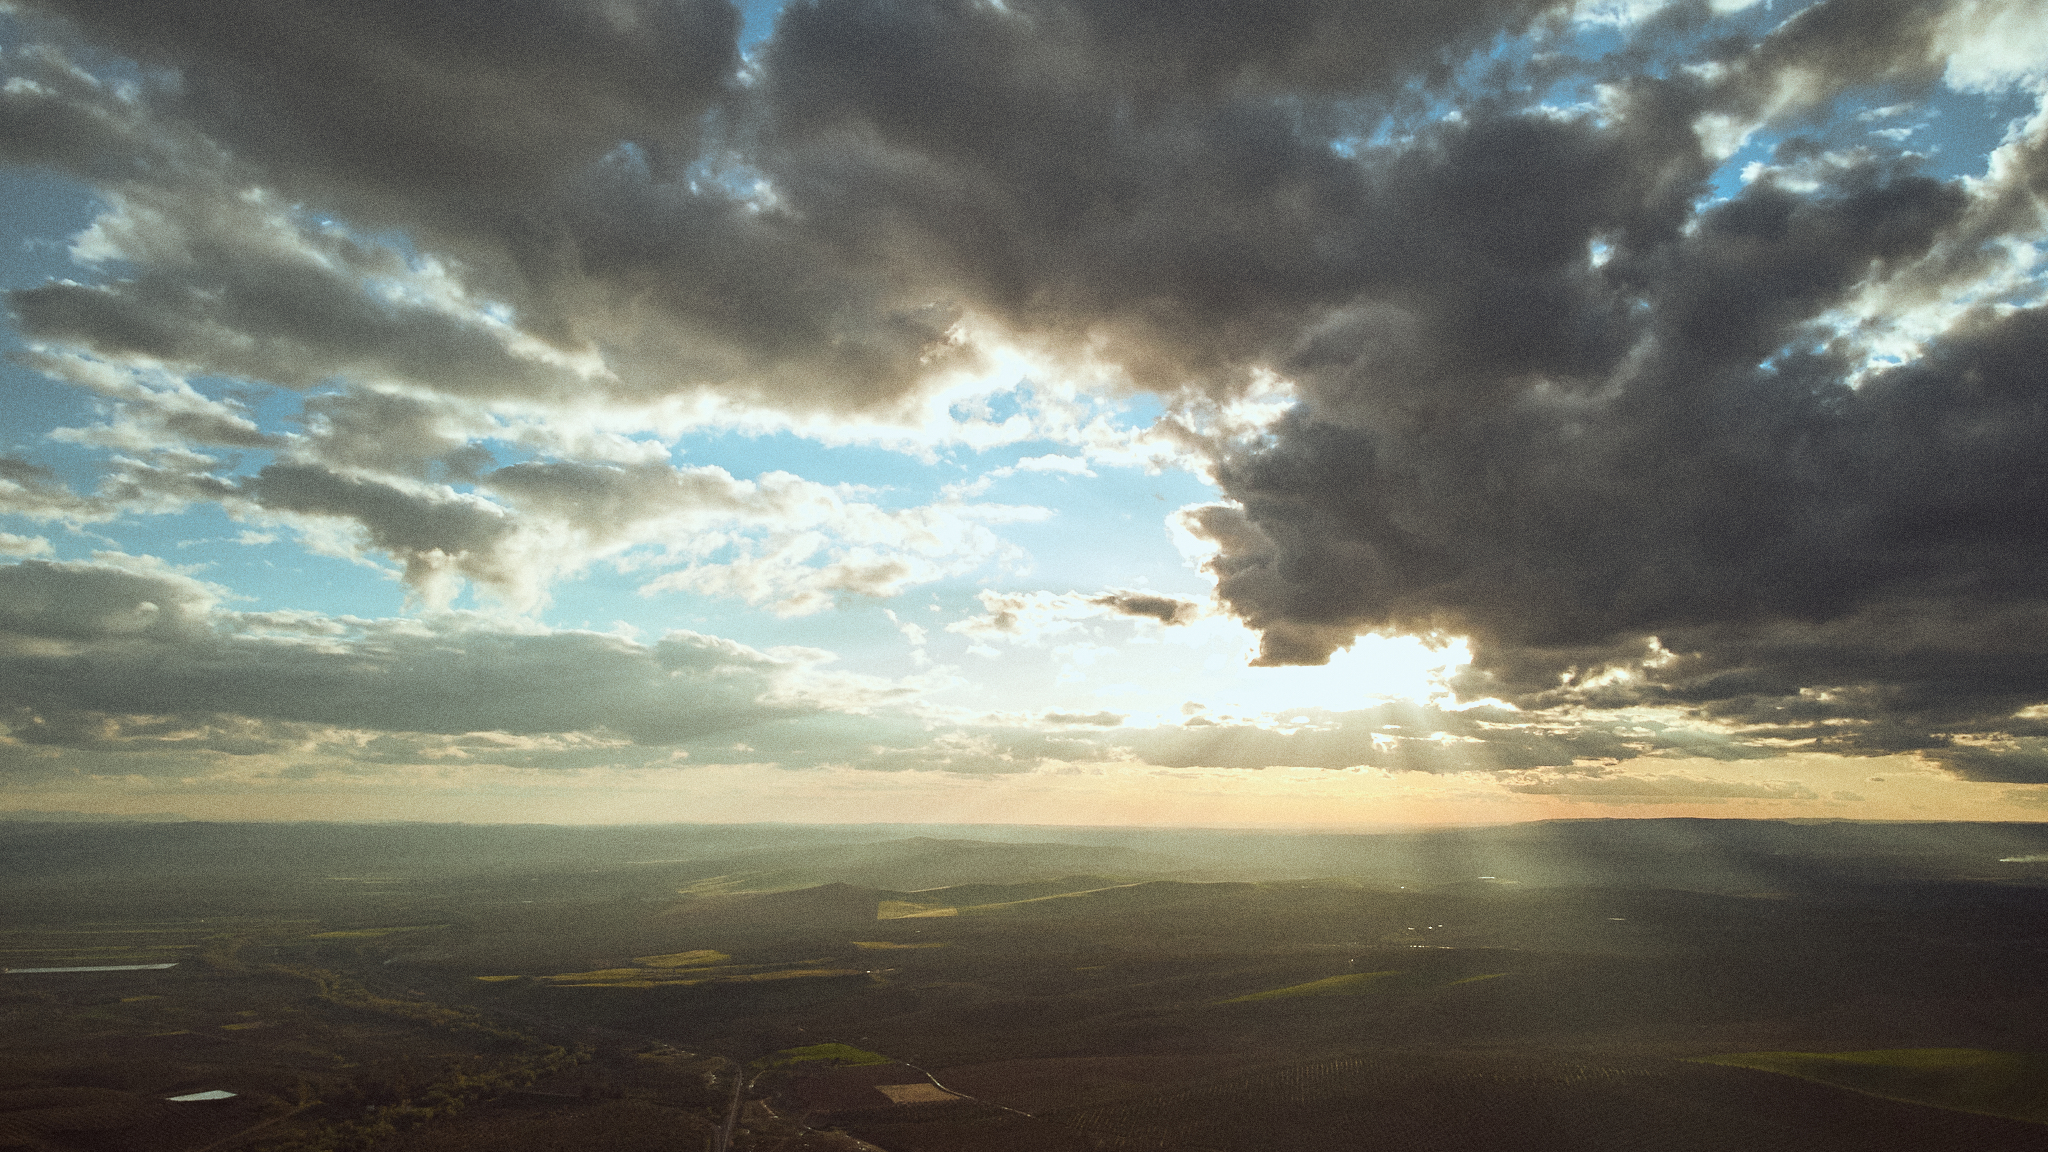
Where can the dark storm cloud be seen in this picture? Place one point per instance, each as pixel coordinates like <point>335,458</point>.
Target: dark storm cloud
<point>1069,170</point>
<point>226,290</point>
<point>1996,765</point>
<point>1828,48</point>
<point>1563,461</point>
<point>55,114</point>
<point>547,147</point>
<point>453,111</point>
<point>1855,566</point>
<point>1155,181</point>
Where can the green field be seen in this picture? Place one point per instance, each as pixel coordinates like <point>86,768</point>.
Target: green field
<point>1176,1015</point>
<point>148,942</point>
<point>1363,983</point>
<point>2009,1084</point>
<point>835,1053</point>
<point>1349,984</point>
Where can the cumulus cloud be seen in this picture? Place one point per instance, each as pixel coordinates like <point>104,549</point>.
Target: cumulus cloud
<point>1087,720</point>
<point>1068,465</point>
<point>1030,617</point>
<point>1165,609</point>
<point>33,491</point>
<point>780,540</point>
<point>128,655</point>
<point>437,534</point>
<point>122,648</point>
<point>860,547</point>
<point>149,415</point>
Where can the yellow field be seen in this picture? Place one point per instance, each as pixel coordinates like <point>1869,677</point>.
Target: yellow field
<point>792,974</point>
<point>1349,984</point>
<point>2009,1084</point>
<point>629,984</point>
<point>737,978</point>
<point>720,885</point>
<point>668,971</point>
<point>697,959</point>
<point>905,910</point>
<point>915,1093</point>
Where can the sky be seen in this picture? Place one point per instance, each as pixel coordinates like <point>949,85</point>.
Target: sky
<point>1278,414</point>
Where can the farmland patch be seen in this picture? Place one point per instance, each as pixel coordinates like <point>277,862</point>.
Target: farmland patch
<point>372,933</point>
<point>2009,1084</point>
<point>1349,984</point>
<point>905,910</point>
<point>697,959</point>
<point>915,1093</point>
<point>829,1053</point>
<point>654,977</point>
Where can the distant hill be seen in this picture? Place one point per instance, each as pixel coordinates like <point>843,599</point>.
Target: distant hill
<point>1701,855</point>
<point>927,862</point>
<point>63,816</point>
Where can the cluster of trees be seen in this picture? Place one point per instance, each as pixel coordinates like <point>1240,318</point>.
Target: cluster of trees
<point>336,988</point>
<point>399,1097</point>
<point>223,953</point>
<point>443,1096</point>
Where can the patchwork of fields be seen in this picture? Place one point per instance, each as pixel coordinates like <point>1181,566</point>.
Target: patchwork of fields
<point>529,1010</point>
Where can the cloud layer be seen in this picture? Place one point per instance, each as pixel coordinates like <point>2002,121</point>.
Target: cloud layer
<point>1770,458</point>
<point>124,652</point>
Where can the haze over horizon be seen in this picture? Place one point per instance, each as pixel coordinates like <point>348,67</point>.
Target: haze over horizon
<point>1059,412</point>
